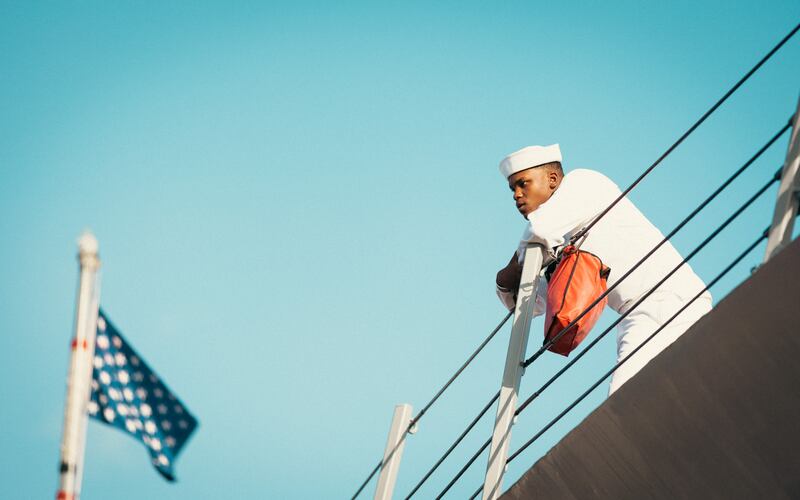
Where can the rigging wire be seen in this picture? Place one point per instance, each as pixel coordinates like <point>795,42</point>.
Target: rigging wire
<point>690,130</point>
<point>385,460</point>
<point>730,266</point>
<point>594,386</point>
<point>422,412</point>
<point>776,177</point>
<point>666,238</point>
<point>554,339</point>
<point>582,232</point>
<point>458,372</point>
<point>464,469</point>
<point>366,481</point>
<point>455,443</point>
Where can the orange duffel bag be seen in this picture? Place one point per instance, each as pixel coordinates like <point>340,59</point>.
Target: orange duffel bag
<point>578,280</point>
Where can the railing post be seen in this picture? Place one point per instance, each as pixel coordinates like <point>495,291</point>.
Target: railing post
<point>394,452</point>
<point>780,233</point>
<point>507,404</point>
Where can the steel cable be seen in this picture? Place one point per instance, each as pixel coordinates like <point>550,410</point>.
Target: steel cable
<point>584,230</point>
<point>626,358</point>
<point>366,481</point>
<point>464,469</point>
<point>554,339</point>
<point>608,373</point>
<point>666,238</point>
<point>708,239</point>
<point>422,412</point>
<point>594,342</point>
<point>455,443</point>
<point>461,369</point>
<point>691,129</point>
<point>724,185</point>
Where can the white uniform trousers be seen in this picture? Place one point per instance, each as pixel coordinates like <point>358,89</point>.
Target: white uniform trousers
<point>637,326</point>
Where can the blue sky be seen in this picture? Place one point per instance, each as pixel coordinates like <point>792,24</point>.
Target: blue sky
<point>300,215</point>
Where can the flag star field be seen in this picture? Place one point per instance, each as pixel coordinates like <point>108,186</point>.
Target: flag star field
<point>128,395</point>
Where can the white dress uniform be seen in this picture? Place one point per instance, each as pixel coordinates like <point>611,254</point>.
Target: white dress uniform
<point>620,239</point>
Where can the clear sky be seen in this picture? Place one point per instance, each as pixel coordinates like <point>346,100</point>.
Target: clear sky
<point>300,214</point>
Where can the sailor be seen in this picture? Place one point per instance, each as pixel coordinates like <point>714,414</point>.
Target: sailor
<point>556,206</point>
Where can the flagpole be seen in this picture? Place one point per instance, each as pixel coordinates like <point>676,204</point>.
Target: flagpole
<point>79,377</point>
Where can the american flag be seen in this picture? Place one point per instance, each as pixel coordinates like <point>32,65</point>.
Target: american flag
<point>126,394</point>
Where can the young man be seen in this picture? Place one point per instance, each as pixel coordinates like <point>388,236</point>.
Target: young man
<point>557,206</point>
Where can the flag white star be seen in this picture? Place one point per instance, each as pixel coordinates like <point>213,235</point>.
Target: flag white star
<point>102,342</point>
<point>120,359</point>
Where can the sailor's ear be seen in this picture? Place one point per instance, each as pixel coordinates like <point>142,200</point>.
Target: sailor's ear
<point>553,178</point>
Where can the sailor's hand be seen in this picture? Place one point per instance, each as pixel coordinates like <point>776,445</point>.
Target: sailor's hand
<point>509,277</point>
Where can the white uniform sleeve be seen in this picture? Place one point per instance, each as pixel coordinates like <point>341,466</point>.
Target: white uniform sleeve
<point>508,297</point>
<point>582,195</point>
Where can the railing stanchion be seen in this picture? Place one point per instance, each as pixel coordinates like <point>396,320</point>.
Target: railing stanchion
<point>394,452</point>
<point>509,391</point>
<point>780,233</point>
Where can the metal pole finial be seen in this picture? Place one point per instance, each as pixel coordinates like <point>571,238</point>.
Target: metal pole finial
<point>88,250</point>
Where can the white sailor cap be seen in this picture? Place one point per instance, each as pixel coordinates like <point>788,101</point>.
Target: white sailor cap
<point>529,157</point>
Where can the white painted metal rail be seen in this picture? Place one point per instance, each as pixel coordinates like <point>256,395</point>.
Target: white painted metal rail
<point>780,233</point>
<point>509,390</point>
<point>394,452</point>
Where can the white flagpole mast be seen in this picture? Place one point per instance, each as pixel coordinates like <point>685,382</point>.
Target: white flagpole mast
<point>80,371</point>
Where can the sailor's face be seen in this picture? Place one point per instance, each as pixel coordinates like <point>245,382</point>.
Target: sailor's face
<point>532,187</point>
